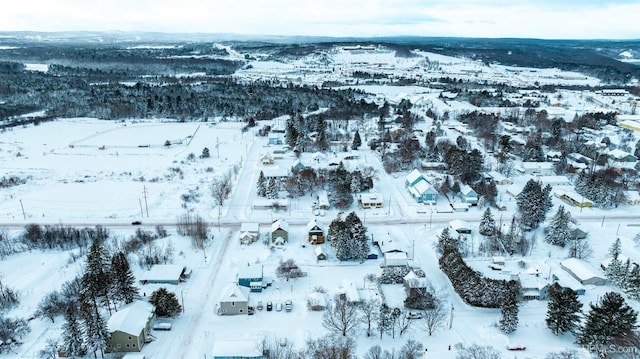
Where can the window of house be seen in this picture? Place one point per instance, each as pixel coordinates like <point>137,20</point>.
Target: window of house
<point>133,345</point>
<point>127,345</point>
<point>233,304</point>
<point>129,337</point>
<point>118,346</point>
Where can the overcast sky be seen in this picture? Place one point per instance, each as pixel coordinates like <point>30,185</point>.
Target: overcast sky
<point>547,19</point>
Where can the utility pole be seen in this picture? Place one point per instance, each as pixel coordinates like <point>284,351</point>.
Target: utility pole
<point>23,214</point>
<point>218,147</point>
<point>141,213</point>
<point>145,200</point>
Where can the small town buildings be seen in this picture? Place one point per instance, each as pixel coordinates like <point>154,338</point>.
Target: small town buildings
<point>554,156</point>
<point>619,156</point>
<point>249,232</point>
<point>412,282</point>
<point>235,300</point>
<point>238,349</point>
<point>499,178</point>
<point>468,195</point>
<point>582,272</point>
<point>570,196</point>
<point>279,232</point>
<point>349,292</point>
<point>277,173</point>
<point>553,181</point>
<point>266,159</point>
<point>251,276</point>
<point>275,138</point>
<point>323,200</point>
<point>316,301</point>
<point>539,168</point>
<point>370,200</point>
<point>315,232</point>
<point>420,189</point>
<point>164,274</point>
<point>130,327</point>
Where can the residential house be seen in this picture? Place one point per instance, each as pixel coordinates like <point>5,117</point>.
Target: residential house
<point>534,286</point>
<point>619,156</point>
<point>414,283</point>
<point>349,292</point>
<point>393,252</point>
<point>499,178</point>
<point>539,168</point>
<point>165,274</point>
<point>266,159</point>
<point>130,327</point>
<point>323,200</point>
<point>275,138</point>
<point>279,232</point>
<point>249,232</point>
<point>238,349</point>
<point>468,195</point>
<point>315,232</point>
<point>317,301</point>
<point>553,181</point>
<point>235,300</point>
<point>251,276</point>
<point>420,189</point>
<point>277,173</point>
<point>582,272</point>
<point>554,156</point>
<point>370,200</point>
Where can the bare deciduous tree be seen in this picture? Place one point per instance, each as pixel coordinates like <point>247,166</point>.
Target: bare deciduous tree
<point>435,318</point>
<point>369,310</point>
<point>288,269</point>
<point>342,316</point>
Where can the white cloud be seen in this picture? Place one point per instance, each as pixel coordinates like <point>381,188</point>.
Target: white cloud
<point>469,18</point>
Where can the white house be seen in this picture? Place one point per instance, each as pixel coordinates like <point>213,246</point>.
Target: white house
<point>539,168</point>
<point>370,200</point>
<point>249,232</point>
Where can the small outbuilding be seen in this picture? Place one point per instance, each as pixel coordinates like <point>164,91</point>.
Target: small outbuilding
<point>320,254</point>
<point>164,274</point>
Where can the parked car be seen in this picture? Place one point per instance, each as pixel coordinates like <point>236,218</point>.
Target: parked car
<point>260,306</point>
<point>269,306</point>
<point>162,326</point>
<point>278,307</point>
<point>251,310</point>
<point>516,347</point>
<point>414,315</point>
<point>136,223</point>
<point>288,305</point>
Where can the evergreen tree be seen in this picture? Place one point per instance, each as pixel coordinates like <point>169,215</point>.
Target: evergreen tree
<point>446,241</point>
<point>261,186</point>
<point>94,326</point>
<point>632,287</point>
<point>165,302</point>
<point>123,280</point>
<point>358,237</point>
<point>616,249</point>
<point>487,223</point>
<point>558,233</point>
<point>205,153</point>
<point>606,321</point>
<point>508,322</point>
<point>563,310</point>
<point>533,204</point>
<point>72,336</point>
<point>291,133</point>
<point>615,272</point>
<point>357,141</point>
<point>272,189</point>
<point>97,278</point>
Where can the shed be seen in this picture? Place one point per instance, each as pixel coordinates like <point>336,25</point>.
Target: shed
<point>582,272</point>
<point>317,301</point>
<point>235,300</point>
<point>323,200</point>
<point>164,274</point>
<point>129,327</point>
<point>320,254</point>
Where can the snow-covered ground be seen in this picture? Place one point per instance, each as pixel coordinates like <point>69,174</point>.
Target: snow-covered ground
<point>87,171</point>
